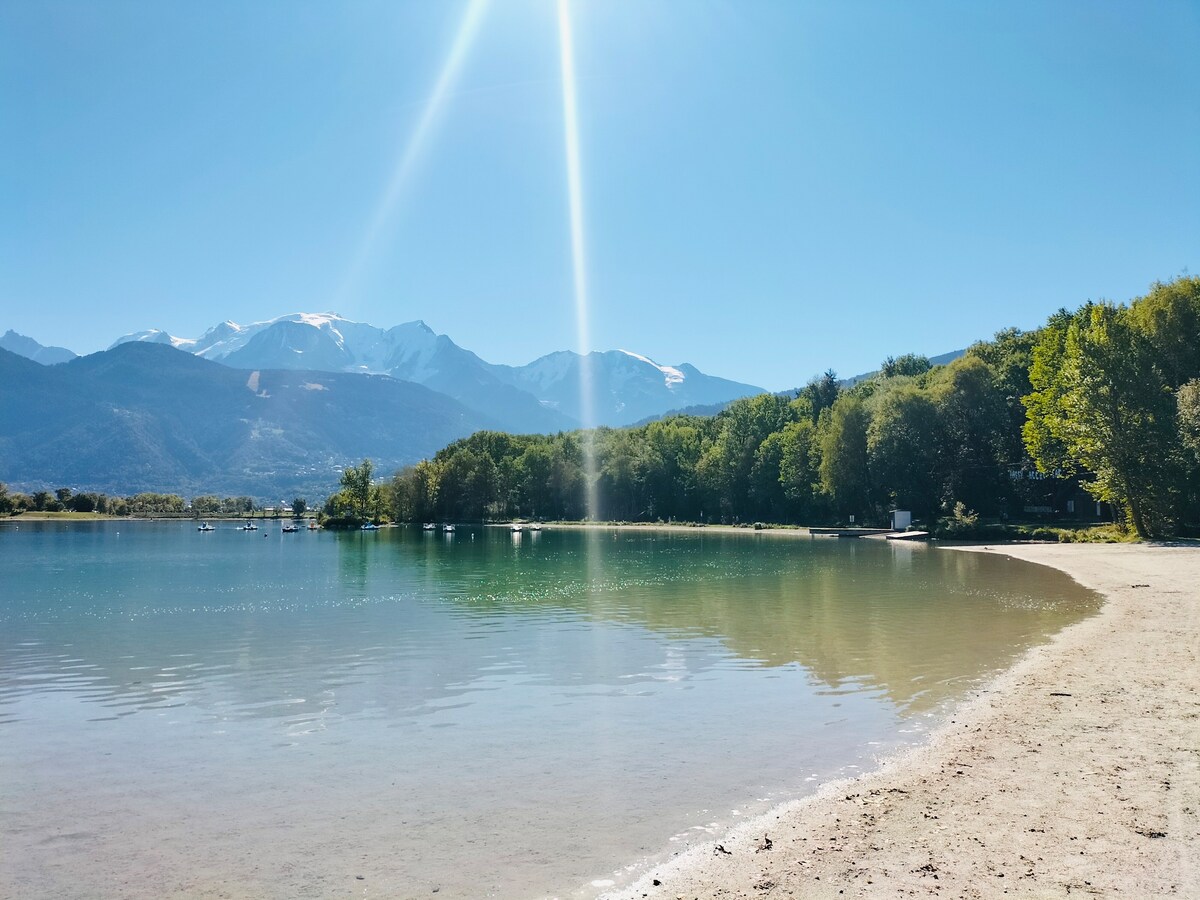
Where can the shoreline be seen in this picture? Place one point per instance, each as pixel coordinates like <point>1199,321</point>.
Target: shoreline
<point>1077,770</point>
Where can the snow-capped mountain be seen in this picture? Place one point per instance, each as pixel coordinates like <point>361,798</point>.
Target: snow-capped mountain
<point>410,352</point>
<point>541,396</point>
<point>627,387</point>
<point>31,349</point>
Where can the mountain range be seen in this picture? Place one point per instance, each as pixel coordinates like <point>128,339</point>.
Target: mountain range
<point>31,349</point>
<point>145,417</point>
<point>279,407</point>
<point>542,396</point>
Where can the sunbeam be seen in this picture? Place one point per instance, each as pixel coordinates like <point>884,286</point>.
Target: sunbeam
<point>411,152</point>
<point>578,258</point>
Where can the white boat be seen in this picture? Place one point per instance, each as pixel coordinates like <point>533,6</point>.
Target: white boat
<point>517,527</point>
<point>312,525</point>
<point>535,526</point>
<point>249,526</point>
<point>429,526</point>
<point>369,526</point>
<point>204,526</point>
<point>288,529</point>
<point>448,528</point>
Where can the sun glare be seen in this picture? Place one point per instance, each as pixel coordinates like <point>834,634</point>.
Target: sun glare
<point>578,257</point>
<point>412,150</point>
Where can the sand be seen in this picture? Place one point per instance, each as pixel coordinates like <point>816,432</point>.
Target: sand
<point>1077,772</point>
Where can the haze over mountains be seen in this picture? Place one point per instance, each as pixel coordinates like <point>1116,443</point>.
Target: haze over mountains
<point>279,406</point>
<point>31,349</point>
<point>541,396</point>
<point>148,418</point>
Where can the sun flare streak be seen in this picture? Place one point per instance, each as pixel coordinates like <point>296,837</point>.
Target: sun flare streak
<point>416,144</point>
<point>578,257</point>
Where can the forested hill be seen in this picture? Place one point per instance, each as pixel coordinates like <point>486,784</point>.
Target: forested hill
<point>146,416</point>
<point>1104,399</point>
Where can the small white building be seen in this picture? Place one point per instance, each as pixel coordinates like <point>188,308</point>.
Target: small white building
<point>901,519</point>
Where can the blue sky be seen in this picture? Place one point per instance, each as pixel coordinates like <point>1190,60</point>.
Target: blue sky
<point>771,188</point>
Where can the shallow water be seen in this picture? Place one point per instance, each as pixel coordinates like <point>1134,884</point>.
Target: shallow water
<point>383,714</point>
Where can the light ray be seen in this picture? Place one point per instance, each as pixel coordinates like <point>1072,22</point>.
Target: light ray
<point>578,258</point>
<point>411,153</point>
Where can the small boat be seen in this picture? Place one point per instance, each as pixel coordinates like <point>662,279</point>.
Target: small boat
<point>448,528</point>
<point>429,526</point>
<point>369,526</point>
<point>288,529</point>
<point>516,527</point>
<point>249,526</point>
<point>535,526</point>
<point>204,526</point>
<point>312,525</point>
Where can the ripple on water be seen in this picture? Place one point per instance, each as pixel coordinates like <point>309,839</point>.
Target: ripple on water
<point>405,694</point>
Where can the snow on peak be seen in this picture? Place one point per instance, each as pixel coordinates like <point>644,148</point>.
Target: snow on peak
<point>156,336</point>
<point>317,320</point>
<point>671,375</point>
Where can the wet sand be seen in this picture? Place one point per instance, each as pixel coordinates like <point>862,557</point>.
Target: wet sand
<point>1077,772</point>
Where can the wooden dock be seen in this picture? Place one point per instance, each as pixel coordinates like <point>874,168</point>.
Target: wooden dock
<point>848,532</point>
<point>908,536</point>
<point>878,533</point>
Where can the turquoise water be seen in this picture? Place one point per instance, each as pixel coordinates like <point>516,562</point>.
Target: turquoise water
<point>385,714</point>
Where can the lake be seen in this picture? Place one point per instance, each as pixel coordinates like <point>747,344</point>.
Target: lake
<point>399,713</point>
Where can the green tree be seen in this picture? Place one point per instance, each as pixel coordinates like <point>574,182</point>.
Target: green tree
<point>910,365</point>
<point>820,394</point>
<point>767,500</point>
<point>1099,404</point>
<point>356,486</point>
<point>468,484</point>
<point>1009,357</point>
<point>1188,412</point>
<point>1169,317</point>
<point>799,469</point>
<point>206,505</point>
<point>726,467</point>
<point>902,450</point>
<point>233,506</point>
<point>973,440</point>
<point>84,502</point>
<point>533,474</point>
<point>299,507</point>
<point>844,469</point>
<point>619,486</point>
<point>149,503</point>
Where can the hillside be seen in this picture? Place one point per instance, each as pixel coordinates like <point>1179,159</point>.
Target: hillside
<point>145,416</point>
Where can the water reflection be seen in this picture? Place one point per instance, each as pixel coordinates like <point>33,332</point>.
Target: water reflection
<point>247,630</point>
<point>557,703</point>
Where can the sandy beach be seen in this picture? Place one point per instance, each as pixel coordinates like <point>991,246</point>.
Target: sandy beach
<point>1077,772</point>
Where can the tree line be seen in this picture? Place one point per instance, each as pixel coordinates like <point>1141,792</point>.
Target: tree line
<point>139,505</point>
<point>1103,400</point>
